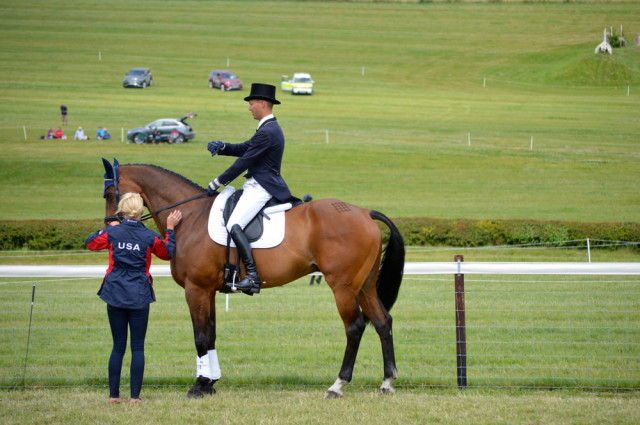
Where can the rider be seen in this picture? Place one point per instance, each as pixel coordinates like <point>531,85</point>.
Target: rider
<point>261,157</point>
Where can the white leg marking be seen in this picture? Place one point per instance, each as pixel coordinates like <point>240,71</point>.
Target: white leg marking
<point>386,387</point>
<point>338,386</point>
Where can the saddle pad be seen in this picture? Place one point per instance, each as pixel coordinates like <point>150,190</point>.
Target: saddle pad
<point>272,235</point>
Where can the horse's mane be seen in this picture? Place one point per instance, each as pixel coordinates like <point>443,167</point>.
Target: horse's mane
<point>173,173</point>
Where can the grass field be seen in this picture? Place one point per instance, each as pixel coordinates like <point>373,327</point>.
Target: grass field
<point>280,351</point>
<point>399,87</point>
<point>430,110</point>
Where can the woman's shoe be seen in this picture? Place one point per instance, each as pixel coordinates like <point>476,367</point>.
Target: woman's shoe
<point>136,401</point>
<point>115,400</point>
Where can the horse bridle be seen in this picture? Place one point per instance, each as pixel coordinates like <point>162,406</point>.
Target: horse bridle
<point>117,217</point>
<point>114,180</point>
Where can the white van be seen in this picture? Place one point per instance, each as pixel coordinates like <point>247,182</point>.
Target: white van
<point>301,83</point>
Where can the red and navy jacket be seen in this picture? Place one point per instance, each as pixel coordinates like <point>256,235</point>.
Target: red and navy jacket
<point>128,283</point>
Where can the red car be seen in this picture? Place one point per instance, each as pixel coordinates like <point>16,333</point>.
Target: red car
<point>224,80</point>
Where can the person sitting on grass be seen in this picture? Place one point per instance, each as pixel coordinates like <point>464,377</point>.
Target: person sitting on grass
<point>80,135</point>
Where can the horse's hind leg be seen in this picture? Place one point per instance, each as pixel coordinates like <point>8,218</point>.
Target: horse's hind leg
<point>382,321</point>
<point>354,328</point>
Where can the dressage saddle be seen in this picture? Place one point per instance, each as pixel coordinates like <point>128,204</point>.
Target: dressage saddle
<point>253,230</point>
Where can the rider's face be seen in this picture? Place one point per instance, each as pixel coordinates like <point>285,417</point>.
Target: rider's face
<point>257,108</point>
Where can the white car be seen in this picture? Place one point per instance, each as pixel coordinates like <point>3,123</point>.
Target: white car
<point>301,83</point>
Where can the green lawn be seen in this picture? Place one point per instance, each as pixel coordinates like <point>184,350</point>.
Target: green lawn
<point>429,109</point>
<point>400,88</point>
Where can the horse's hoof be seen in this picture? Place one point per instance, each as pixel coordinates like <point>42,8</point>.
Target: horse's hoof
<point>332,394</point>
<point>200,392</point>
<point>387,391</point>
<point>203,386</point>
<point>195,393</point>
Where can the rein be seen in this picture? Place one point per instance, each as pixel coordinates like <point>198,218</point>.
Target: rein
<point>151,214</point>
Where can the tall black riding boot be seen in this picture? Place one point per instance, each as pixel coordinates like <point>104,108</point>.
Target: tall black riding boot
<point>251,281</point>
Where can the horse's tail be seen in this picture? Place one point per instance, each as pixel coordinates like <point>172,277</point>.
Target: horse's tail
<point>392,264</point>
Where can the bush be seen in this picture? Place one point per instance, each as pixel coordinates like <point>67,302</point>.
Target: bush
<point>69,234</point>
<point>42,235</point>
<point>474,233</point>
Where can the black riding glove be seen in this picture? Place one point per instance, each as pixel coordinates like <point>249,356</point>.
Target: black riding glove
<point>215,147</point>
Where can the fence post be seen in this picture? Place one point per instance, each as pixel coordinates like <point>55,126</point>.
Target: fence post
<point>461,337</point>
<point>26,357</point>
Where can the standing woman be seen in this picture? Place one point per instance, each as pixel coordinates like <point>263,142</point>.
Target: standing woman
<point>127,287</point>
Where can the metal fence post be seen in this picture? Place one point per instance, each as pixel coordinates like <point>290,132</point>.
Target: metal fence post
<point>461,337</point>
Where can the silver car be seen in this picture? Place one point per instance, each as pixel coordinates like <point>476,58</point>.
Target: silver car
<point>138,77</point>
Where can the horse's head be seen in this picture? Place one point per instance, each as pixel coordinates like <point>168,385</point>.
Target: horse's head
<point>111,191</point>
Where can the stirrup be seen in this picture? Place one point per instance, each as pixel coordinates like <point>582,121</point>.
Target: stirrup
<point>254,287</point>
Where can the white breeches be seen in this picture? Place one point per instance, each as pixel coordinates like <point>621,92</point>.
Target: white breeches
<point>251,202</point>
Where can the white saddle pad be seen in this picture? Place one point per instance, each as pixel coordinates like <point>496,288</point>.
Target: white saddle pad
<point>273,232</point>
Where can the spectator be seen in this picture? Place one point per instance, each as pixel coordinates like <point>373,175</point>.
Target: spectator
<point>51,134</point>
<point>107,135</point>
<point>100,133</point>
<point>63,111</point>
<point>80,135</point>
<point>59,134</point>
<point>173,136</point>
<point>156,136</point>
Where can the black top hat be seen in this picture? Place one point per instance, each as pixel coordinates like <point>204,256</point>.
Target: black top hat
<point>263,92</point>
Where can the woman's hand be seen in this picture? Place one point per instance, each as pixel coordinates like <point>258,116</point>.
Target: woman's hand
<point>173,219</point>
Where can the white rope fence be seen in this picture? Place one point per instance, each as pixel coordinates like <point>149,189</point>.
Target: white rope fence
<point>424,268</point>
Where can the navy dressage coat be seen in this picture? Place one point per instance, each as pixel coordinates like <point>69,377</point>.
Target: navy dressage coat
<point>128,283</point>
<point>261,157</point>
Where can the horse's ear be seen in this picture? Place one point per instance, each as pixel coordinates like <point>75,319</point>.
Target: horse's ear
<point>108,169</point>
<point>116,171</point>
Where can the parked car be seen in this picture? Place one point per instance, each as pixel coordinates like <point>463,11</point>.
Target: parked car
<point>138,77</point>
<point>301,83</point>
<point>165,126</point>
<point>224,80</point>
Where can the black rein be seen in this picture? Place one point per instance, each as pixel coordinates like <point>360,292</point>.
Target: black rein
<point>151,214</point>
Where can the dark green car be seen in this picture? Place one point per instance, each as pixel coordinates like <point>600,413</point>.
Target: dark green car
<point>165,127</point>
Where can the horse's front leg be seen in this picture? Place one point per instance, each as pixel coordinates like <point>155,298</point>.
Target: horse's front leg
<point>203,316</point>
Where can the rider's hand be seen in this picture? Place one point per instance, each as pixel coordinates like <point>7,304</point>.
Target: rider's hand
<point>215,147</point>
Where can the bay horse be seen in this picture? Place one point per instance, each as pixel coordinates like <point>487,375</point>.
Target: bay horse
<point>340,240</point>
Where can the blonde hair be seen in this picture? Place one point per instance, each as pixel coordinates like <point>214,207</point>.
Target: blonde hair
<point>131,205</point>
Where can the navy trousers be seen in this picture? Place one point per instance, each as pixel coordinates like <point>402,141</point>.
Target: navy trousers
<point>136,321</point>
